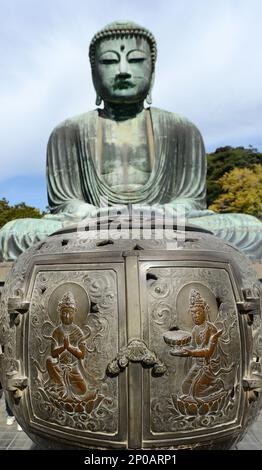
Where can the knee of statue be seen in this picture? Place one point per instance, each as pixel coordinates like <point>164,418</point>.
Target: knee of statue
<point>18,235</point>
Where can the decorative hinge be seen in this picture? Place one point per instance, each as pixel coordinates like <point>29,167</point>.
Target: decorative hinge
<point>136,351</point>
<point>250,304</point>
<point>253,383</point>
<point>16,383</point>
<point>15,308</point>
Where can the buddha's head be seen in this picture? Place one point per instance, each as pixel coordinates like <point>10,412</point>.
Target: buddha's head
<point>198,307</point>
<point>123,56</point>
<point>67,308</point>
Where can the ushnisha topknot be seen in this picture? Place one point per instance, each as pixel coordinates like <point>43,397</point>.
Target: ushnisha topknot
<point>195,299</point>
<point>67,301</point>
<point>120,29</point>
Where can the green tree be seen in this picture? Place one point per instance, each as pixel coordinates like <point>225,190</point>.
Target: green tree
<point>223,160</point>
<point>242,191</point>
<point>18,211</point>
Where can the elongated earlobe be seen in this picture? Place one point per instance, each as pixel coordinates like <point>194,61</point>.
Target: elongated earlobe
<point>149,98</point>
<point>98,100</point>
<point>149,95</point>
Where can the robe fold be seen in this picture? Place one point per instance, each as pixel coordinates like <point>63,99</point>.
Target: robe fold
<point>76,189</point>
<point>178,173</point>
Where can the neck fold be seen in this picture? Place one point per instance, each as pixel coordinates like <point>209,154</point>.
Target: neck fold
<point>122,112</point>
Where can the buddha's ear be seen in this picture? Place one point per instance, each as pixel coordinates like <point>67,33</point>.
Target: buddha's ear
<point>149,95</point>
<point>98,100</point>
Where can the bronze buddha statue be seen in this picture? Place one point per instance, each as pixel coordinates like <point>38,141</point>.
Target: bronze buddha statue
<point>126,153</point>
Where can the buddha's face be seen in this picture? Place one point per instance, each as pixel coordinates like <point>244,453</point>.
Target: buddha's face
<point>198,314</point>
<point>123,69</point>
<point>67,315</point>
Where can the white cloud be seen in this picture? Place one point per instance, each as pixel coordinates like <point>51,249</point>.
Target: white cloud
<point>209,68</point>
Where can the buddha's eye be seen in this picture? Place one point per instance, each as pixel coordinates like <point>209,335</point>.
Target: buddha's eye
<point>136,60</point>
<point>109,58</point>
<point>135,57</point>
<point>108,61</point>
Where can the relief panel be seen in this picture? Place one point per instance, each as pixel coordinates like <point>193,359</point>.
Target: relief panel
<point>193,328</point>
<point>73,333</point>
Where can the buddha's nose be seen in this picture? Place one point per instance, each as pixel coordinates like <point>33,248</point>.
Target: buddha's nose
<point>123,68</point>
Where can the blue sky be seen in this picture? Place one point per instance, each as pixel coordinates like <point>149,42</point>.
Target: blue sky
<point>209,69</point>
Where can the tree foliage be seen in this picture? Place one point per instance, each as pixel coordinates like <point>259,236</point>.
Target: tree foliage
<point>242,191</point>
<point>222,161</point>
<point>18,211</point>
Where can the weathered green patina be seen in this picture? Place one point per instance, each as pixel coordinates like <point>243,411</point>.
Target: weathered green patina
<point>126,153</point>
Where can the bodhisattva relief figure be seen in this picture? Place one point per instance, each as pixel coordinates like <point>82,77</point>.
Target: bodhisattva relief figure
<point>203,382</point>
<point>126,153</point>
<point>68,349</point>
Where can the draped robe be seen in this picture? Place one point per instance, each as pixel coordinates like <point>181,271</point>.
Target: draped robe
<point>178,176</point>
<point>178,173</point>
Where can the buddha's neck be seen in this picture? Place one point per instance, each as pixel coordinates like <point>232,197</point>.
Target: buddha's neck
<point>123,111</point>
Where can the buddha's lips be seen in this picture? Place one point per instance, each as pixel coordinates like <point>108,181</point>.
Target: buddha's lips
<point>123,84</point>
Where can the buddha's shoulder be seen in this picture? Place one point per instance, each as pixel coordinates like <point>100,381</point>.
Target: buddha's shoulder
<point>89,118</point>
<point>76,121</point>
<point>172,118</point>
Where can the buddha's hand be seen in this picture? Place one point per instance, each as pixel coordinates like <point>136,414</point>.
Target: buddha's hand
<point>171,210</point>
<point>183,352</point>
<point>112,211</point>
<point>156,210</point>
<point>187,352</point>
<point>147,210</point>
